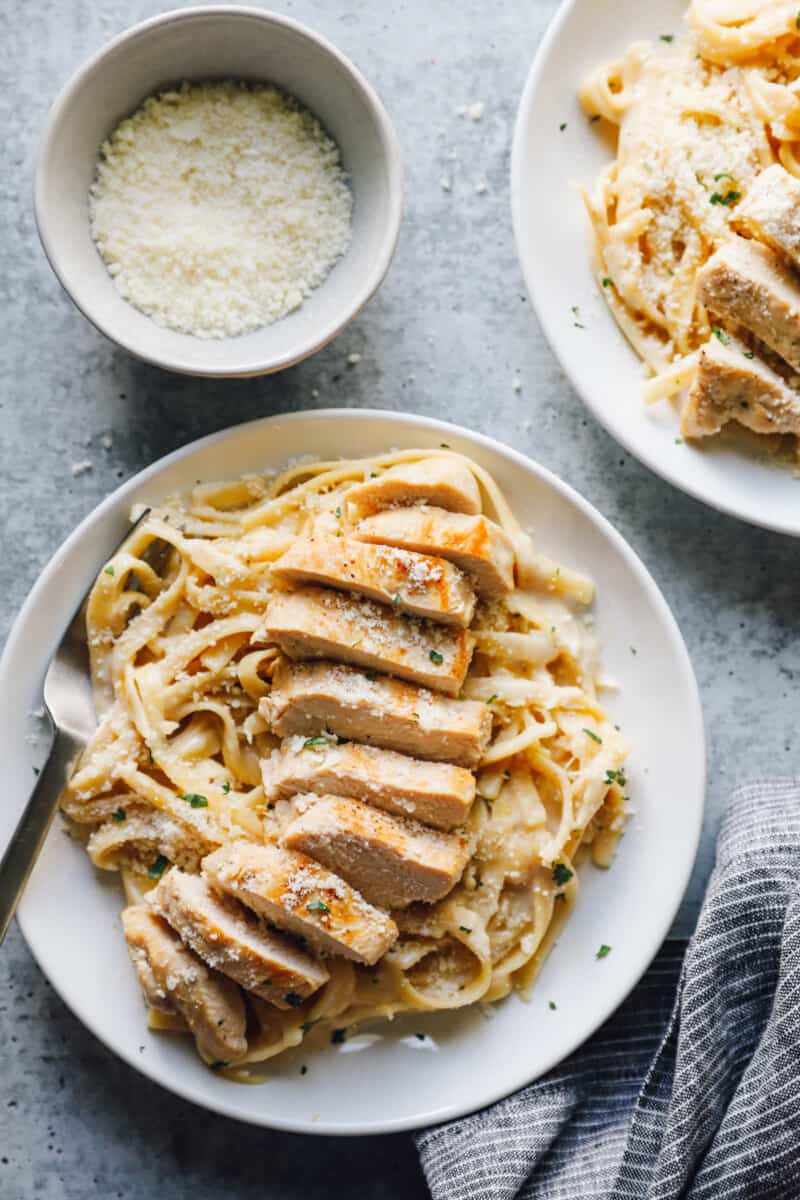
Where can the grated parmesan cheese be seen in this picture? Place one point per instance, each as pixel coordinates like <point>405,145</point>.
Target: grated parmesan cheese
<point>219,208</point>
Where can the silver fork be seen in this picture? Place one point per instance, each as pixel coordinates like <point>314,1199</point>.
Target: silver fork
<point>69,706</point>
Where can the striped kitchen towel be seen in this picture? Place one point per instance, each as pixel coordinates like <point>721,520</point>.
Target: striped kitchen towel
<point>692,1088</point>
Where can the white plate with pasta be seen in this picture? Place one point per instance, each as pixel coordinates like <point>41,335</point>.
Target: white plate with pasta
<point>562,750</point>
<point>615,232</point>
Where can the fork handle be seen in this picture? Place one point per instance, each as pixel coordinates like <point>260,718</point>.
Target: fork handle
<point>28,837</point>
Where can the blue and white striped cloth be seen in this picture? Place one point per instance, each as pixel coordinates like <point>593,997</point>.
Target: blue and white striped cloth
<point>692,1088</point>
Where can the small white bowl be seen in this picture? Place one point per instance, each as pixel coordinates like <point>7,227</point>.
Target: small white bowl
<point>224,42</point>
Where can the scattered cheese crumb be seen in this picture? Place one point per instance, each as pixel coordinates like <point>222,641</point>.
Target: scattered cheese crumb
<point>481,186</point>
<point>218,208</point>
<point>80,468</point>
<point>444,183</point>
<point>353,359</point>
<point>315,393</point>
<point>516,384</point>
<point>106,441</point>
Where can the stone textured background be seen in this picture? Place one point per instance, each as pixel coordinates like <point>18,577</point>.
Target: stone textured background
<point>445,336</point>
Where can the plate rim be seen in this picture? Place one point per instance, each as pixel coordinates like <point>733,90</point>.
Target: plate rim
<point>527,256</point>
<point>628,979</point>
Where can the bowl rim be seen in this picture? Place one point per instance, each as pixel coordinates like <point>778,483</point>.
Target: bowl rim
<point>129,490</point>
<point>391,153</point>
<point>528,257</point>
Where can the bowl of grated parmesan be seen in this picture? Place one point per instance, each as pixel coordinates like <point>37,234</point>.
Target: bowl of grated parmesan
<point>219,191</point>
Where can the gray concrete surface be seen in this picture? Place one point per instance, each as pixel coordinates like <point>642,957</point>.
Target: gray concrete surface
<point>446,334</point>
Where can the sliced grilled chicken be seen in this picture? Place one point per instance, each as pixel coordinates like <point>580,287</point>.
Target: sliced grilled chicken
<point>437,794</point>
<point>297,894</point>
<point>439,480</point>
<point>749,284</point>
<point>393,862</point>
<point>412,583</point>
<point>310,698</point>
<point>730,386</point>
<point>316,623</point>
<point>771,211</point>
<point>474,544</point>
<point>232,941</point>
<point>174,979</point>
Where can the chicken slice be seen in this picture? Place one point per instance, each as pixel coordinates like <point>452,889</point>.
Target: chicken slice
<point>393,862</point>
<point>174,979</point>
<point>475,544</point>
<point>310,698</point>
<point>437,794</point>
<point>732,386</point>
<point>313,622</point>
<point>749,284</point>
<point>771,211</point>
<point>297,894</point>
<point>440,480</point>
<point>412,583</point>
<point>231,940</point>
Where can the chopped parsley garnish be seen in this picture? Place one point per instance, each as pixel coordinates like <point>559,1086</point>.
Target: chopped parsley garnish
<point>749,354</point>
<point>728,199</point>
<point>108,571</point>
<point>562,874</point>
<point>373,474</point>
<point>667,37</point>
<point>562,126</point>
<point>398,600</point>
<point>318,906</point>
<point>721,335</point>
<point>444,445</point>
<point>338,1036</point>
<point>606,282</point>
<point>372,676</point>
<point>492,699</point>
<point>722,175</point>
<point>157,867</point>
<point>293,1000</point>
<point>119,816</point>
<point>318,740</point>
<point>307,1026</point>
<point>604,951</point>
<point>436,657</point>
<point>593,736</point>
<point>551,1004</point>
<point>465,929</point>
<point>678,442</point>
<point>195,800</point>
<point>616,777</point>
<point>226,787</point>
<point>797,21</point>
<point>337,512</point>
<point>576,312</point>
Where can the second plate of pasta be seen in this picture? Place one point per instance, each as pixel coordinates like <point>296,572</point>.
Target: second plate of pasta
<point>652,151</point>
<point>205,630</point>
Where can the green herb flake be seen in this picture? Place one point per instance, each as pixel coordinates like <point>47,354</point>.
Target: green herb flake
<point>593,736</point>
<point>576,312</point>
<point>492,699</point>
<point>562,126</point>
<point>373,474</point>
<point>562,874</point>
<point>551,1004</point>
<point>797,21</point>
<point>338,1036</point>
<point>372,676</point>
<point>108,571</point>
<point>616,777</point>
<point>318,740</point>
<point>721,335</point>
<point>195,800</point>
<point>307,1026</point>
<point>603,952</point>
<point>727,200</point>
<point>226,787</point>
<point>318,906</point>
<point>157,867</point>
<point>667,37</point>
<point>293,1000</point>
<point>119,816</point>
<point>337,512</point>
<point>398,600</point>
<point>678,442</point>
<point>722,175</point>
<point>444,445</point>
<point>606,282</point>
<point>465,929</point>
<point>436,657</point>
<point>749,354</point>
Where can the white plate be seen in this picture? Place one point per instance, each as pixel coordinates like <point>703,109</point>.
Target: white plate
<point>392,1081</point>
<point>553,243</point>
